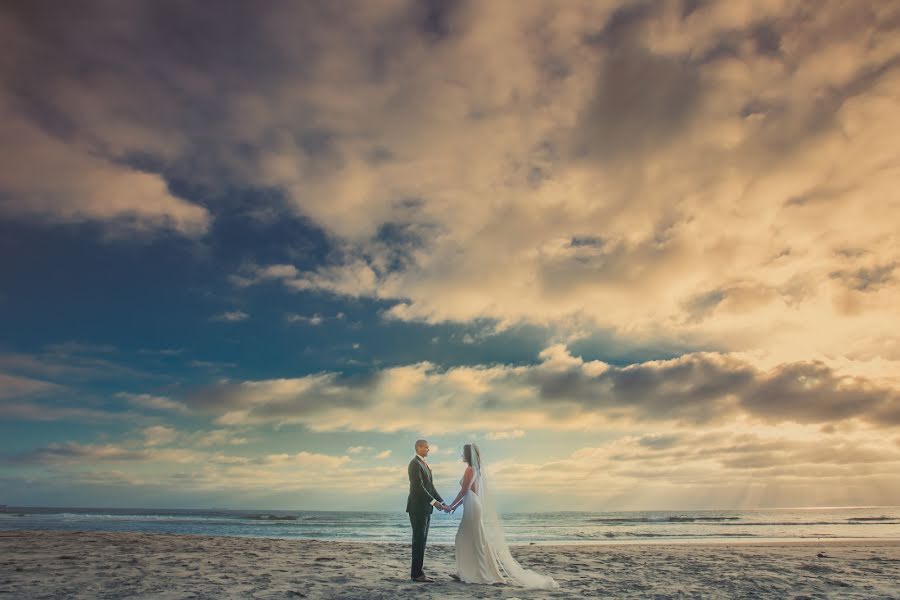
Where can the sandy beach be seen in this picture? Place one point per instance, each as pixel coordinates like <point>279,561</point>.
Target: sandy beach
<point>46,564</point>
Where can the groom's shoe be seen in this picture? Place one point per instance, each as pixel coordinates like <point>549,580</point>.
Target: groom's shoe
<point>423,579</point>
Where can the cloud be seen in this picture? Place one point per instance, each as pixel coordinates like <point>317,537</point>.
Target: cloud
<point>281,399</point>
<point>212,365</point>
<point>384,454</point>
<point>12,386</point>
<point>154,402</point>
<point>254,274</point>
<point>66,153</point>
<point>707,387</point>
<point>710,175</point>
<point>773,466</point>
<point>505,435</point>
<point>162,351</point>
<point>50,180</point>
<point>682,146</point>
<point>562,392</point>
<point>156,446</point>
<point>218,437</point>
<point>73,347</point>
<point>295,318</point>
<point>75,452</point>
<point>69,361</point>
<point>231,316</point>
<point>197,472</point>
<point>314,320</point>
<point>159,435</point>
<point>621,164</point>
<point>710,469</point>
<point>643,101</point>
<point>34,411</point>
<point>306,459</point>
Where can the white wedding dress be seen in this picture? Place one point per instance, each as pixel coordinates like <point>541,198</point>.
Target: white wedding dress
<point>482,555</point>
<point>475,562</point>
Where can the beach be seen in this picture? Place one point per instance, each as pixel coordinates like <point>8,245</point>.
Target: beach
<point>49,564</point>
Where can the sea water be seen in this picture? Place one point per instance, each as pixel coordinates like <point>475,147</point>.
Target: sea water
<point>520,528</point>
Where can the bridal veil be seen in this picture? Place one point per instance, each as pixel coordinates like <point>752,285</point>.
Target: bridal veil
<point>514,572</point>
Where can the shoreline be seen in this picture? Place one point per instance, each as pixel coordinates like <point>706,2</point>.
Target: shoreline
<point>649,541</point>
<point>774,542</point>
<point>88,564</point>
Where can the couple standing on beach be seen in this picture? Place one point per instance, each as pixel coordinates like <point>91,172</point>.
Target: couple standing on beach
<point>482,555</point>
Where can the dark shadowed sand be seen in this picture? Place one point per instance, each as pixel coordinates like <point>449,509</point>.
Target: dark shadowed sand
<point>133,565</point>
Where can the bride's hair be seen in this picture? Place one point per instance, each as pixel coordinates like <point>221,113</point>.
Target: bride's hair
<point>472,456</point>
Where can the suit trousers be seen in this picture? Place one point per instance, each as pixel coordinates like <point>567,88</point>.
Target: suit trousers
<point>420,523</point>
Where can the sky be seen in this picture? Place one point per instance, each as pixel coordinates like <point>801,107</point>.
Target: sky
<point>644,253</point>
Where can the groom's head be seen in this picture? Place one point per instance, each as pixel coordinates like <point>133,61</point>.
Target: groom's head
<point>422,448</point>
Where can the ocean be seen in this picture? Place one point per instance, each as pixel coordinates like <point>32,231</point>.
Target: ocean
<point>521,528</point>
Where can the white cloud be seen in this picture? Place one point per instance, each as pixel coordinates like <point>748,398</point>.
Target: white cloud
<point>154,402</point>
<point>307,459</point>
<point>159,435</point>
<point>231,316</point>
<point>253,274</point>
<point>313,320</point>
<point>505,435</point>
<point>218,437</point>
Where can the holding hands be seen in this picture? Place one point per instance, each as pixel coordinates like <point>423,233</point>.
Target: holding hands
<point>445,507</point>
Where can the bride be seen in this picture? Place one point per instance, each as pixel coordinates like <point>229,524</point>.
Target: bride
<point>482,555</point>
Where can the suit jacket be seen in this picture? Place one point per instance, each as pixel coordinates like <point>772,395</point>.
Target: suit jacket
<point>421,488</point>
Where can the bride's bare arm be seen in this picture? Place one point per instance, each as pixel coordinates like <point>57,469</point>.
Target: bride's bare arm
<point>467,480</point>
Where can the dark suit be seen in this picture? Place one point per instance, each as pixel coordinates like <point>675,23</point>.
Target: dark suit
<point>419,507</point>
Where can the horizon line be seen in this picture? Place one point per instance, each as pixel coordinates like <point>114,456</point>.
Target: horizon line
<point>8,507</point>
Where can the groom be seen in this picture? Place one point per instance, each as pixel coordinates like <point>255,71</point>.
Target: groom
<point>423,498</point>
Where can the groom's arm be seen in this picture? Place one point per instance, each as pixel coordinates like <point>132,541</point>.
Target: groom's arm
<point>434,493</point>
